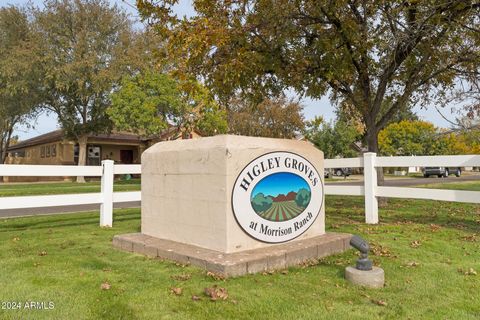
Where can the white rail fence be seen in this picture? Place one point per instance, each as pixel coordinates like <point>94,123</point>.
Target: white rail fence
<point>370,190</point>
<point>105,198</point>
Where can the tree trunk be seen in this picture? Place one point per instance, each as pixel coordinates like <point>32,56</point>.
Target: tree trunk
<point>372,145</point>
<point>5,144</point>
<point>82,155</point>
<point>4,149</point>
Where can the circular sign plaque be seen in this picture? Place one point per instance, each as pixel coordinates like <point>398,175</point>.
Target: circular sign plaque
<point>277,197</point>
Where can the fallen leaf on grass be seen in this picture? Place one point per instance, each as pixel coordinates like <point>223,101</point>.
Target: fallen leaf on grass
<point>380,302</point>
<point>309,263</point>
<point>16,239</point>
<point>182,265</point>
<point>284,272</point>
<point>216,293</point>
<point>382,251</point>
<point>472,238</point>
<point>42,253</point>
<point>106,269</point>
<point>215,276</point>
<point>105,286</point>
<point>176,291</point>
<point>415,244</point>
<point>181,277</point>
<point>469,272</point>
<point>268,272</point>
<point>196,298</point>
<point>434,227</point>
<point>412,264</point>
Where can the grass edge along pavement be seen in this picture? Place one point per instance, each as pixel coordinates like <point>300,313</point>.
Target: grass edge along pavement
<point>54,188</point>
<point>428,249</point>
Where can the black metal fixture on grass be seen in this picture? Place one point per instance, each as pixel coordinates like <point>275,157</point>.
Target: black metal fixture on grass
<point>363,263</point>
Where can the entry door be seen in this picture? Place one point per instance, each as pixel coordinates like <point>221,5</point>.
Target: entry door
<point>126,156</point>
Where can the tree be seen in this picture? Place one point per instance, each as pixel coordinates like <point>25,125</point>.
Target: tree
<point>148,102</point>
<point>19,73</point>
<point>420,138</point>
<point>381,57</point>
<point>302,199</point>
<point>260,203</point>
<point>87,48</point>
<point>335,139</point>
<point>275,118</point>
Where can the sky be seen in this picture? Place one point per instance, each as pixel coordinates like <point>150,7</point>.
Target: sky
<point>279,183</point>
<point>48,122</point>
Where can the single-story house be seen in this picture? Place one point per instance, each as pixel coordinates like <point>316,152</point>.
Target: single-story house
<point>54,148</point>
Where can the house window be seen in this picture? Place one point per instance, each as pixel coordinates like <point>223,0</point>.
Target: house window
<point>53,150</point>
<point>47,151</point>
<point>93,155</point>
<point>42,152</point>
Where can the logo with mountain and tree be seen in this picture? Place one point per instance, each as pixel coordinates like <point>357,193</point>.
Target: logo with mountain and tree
<point>280,197</point>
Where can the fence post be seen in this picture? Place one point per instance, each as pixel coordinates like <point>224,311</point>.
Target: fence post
<point>106,208</point>
<point>370,184</point>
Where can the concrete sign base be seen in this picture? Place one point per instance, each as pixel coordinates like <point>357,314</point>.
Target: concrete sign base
<point>276,257</point>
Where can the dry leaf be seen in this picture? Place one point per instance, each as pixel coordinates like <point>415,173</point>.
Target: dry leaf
<point>382,251</point>
<point>176,291</point>
<point>216,293</point>
<point>43,253</point>
<point>284,272</point>
<point>472,238</point>
<point>215,276</point>
<point>380,302</point>
<point>471,272</point>
<point>181,277</point>
<point>412,264</point>
<point>105,286</point>
<point>16,239</point>
<point>182,265</point>
<point>196,298</point>
<point>415,244</point>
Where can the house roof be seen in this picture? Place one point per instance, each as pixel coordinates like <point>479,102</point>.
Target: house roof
<point>59,135</point>
<point>171,133</point>
<point>41,139</point>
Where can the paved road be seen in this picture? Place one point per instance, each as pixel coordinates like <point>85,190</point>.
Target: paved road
<point>62,209</point>
<point>397,182</point>
<point>404,182</point>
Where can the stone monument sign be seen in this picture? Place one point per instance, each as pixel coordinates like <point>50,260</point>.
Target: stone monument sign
<point>229,202</point>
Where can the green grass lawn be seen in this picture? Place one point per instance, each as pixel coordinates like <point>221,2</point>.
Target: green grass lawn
<point>429,251</point>
<point>31,189</point>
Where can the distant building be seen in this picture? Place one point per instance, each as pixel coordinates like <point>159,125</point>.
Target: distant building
<point>54,148</point>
